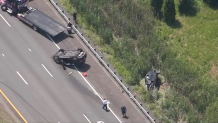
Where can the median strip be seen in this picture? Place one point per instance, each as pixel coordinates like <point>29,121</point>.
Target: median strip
<point>13,106</point>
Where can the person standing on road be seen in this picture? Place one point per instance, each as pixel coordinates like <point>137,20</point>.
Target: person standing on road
<point>105,102</point>
<point>123,110</point>
<point>69,28</point>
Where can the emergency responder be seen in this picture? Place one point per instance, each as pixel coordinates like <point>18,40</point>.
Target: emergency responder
<point>123,110</point>
<point>74,17</point>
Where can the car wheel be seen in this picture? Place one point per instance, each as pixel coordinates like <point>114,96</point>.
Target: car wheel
<point>35,28</point>
<point>61,50</point>
<point>80,49</point>
<point>56,60</point>
<point>4,8</point>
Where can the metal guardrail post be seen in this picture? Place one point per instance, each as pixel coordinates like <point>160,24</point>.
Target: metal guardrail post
<point>103,63</point>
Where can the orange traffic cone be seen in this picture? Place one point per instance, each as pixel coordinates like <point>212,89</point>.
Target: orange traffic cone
<point>85,74</point>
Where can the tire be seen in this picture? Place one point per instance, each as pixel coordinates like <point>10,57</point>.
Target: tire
<point>61,50</point>
<point>35,28</point>
<point>80,49</point>
<point>56,60</point>
<point>4,7</point>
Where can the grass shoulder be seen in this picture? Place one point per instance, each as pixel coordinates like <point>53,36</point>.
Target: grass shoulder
<point>5,117</point>
<point>189,64</point>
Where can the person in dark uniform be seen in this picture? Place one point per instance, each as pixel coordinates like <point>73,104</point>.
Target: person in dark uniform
<point>74,17</point>
<point>69,24</point>
<point>123,110</point>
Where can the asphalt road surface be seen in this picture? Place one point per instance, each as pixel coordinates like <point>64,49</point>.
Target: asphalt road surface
<point>42,91</point>
<point>39,88</point>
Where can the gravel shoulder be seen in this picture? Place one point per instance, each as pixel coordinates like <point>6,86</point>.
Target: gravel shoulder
<point>7,113</point>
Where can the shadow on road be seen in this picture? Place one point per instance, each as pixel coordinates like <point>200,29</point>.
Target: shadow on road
<point>57,39</point>
<point>107,110</point>
<point>84,68</point>
<point>126,117</point>
<point>61,37</point>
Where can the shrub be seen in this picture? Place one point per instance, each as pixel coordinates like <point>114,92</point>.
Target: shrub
<point>186,6</point>
<point>169,11</point>
<point>211,2</point>
<point>157,6</point>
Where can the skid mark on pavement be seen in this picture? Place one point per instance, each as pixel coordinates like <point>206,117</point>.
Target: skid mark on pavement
<point>13,106</point>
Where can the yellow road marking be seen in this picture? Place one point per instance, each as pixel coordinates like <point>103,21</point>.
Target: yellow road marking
<point>13,106</point>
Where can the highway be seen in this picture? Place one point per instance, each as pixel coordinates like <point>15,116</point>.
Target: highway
<point>40,89</point>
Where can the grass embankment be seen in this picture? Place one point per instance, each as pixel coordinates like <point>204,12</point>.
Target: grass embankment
<point>186,53</point>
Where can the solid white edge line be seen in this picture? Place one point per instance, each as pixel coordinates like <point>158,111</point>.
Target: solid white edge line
<point>5,20</point>
<point>22,77</point>
<point>87,118</point>
<point>47,70</point>
<point>88,83</point>
<point>53,41</point>
<point>97,94</point>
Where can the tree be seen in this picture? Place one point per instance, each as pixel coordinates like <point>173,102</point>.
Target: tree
<point>156,6</point>
<point>213,3</point>
<point>169,11</point>
<point>212,112</point>
<point>185,5</point>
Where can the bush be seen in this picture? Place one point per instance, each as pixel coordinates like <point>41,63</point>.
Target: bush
<point>169,11</point>
<point>156,6</point>
<point>211,2</point>
<point>187,7</point>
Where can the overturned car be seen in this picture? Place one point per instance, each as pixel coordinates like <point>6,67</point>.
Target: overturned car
<point>70,57</point>
<point>14,6</point>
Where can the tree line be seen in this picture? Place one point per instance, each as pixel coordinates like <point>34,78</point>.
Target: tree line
<point>165,9</point>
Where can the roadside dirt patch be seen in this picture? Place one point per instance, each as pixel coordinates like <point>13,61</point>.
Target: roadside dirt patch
<point>214,71</point>
<point>5,117</point>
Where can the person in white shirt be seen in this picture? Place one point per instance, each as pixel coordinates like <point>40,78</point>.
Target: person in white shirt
<point>69,28</point>
<point>105,102</point>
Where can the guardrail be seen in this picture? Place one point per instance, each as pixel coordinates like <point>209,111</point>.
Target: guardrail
<point>100,58</point>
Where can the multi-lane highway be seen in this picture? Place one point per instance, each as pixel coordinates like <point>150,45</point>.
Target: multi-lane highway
<point>42,91</point>
<point>39,88</point>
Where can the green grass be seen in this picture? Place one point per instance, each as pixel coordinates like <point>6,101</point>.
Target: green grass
<point>195,42</point>
<point>188,63</point>
<point>195,45</point>
<point>90,32</point>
